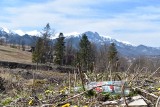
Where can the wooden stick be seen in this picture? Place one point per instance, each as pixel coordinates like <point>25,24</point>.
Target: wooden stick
<point>158,101</point>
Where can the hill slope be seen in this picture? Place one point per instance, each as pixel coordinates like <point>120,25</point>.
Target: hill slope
<point>14,55</point>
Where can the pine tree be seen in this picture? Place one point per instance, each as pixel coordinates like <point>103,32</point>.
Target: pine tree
<point>47,48</point>
<point>43,48</point>
<point>59,50</point>
<point>70,52</point>
<point>112,53</point>
<point>85,53</point>
<point>113,57</point>
<point>37,55</point>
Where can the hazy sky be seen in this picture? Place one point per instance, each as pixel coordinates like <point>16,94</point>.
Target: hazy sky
<point>135,21</point>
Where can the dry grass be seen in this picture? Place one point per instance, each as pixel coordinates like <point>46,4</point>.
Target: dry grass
<point>49,88</point>
<point>14,55</point>
<point>6,76</point>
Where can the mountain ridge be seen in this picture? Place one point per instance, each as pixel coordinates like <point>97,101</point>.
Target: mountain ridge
<point>124,48</point>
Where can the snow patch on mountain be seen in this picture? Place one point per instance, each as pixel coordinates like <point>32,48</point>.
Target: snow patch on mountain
<point>113,40</point>
<point>19,32</point>
<point>33,33</point>
<point>5,29</point>
<point>125,42</point>
<point>67,35</point>
<point>72,34</point>
<point>106,36</point>
<point>55,36</point>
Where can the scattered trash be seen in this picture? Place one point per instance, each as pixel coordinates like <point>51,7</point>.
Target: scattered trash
<point>108,86</point>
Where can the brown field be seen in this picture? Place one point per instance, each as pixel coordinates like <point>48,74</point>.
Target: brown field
<point>14,55</point>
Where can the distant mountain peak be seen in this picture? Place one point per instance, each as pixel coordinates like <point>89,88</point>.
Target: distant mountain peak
<point>20,32</point>
<point>5,29</point>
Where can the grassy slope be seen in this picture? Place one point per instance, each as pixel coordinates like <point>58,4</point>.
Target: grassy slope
<point>14,55</point>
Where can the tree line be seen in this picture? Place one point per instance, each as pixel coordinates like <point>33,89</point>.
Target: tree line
<point>87,56</point>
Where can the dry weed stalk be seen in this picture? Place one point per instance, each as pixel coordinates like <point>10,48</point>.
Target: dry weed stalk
<point>81,76</point>
<point>69,82</point>
<point>123,94</point>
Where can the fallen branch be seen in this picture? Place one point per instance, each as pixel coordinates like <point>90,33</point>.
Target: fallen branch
<point>153,98</point>
<point>150,75</point>
<point>158,101</point>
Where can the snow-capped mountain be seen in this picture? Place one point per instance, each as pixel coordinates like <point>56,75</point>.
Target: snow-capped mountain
<point>16,37</point>
<point>124,48</point>
<point>94,37</point>
<point>20,32</point>
<point>4,29</point>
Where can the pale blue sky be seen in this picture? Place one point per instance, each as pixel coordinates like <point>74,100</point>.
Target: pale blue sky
<point>135,21</point>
